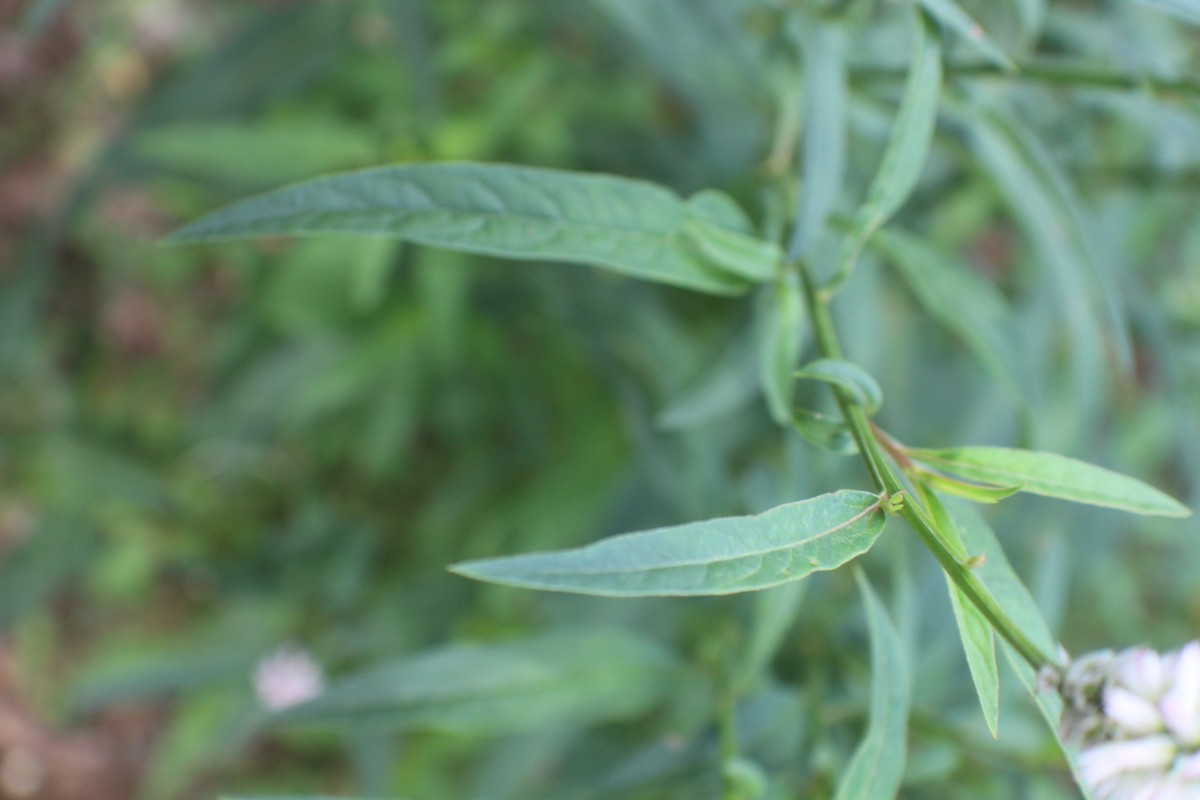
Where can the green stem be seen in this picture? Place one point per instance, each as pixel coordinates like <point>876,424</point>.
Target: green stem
<point>1061,74</point>
<point>728,740</point>
<point>887,481</point>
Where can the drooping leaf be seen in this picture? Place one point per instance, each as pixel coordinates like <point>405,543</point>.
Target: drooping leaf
<point>1053,475</point>
<point>877,767</point>
<point>826,432</point>
<point>559,678</point>
<point>628,226</point>
<point>717,556</point>
<point>974,629</point>
<point>823,162</point>
<point>849,376</point>
<point>907,147</point>
<point>782,325</point>
<point>952,15</point>
<point>1188,10</point>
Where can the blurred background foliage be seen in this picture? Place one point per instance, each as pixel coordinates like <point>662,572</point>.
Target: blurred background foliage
<point>209,452</point>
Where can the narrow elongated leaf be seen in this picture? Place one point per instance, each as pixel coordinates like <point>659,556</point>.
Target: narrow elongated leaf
<point>959,299</point>
<point>1188,10</point>
<point>877,766</point>
<point>907,147</point>
<point>553,679</point>
<point>782,322</point>
<point>971,491</point>
<point>997,573</point>
<point>823,162</point>
<point>1053,475</point>
<point>628,226</point>
<point>849,376</point>
<point>974,629</point>
<point>952,15</point>
<point>717,556</point>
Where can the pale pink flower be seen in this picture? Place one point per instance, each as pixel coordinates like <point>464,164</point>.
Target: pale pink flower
<point>286,678</point>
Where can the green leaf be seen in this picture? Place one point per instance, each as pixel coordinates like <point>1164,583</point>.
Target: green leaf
<point>952,15</point>
<point>971,491</point>
<point>863,388</point>
<point>877,766</point>
<point>717,556</point>
<point>775,610</point>
<point>959,299</point>
<point>997,573</point>
<point>974,629</point>
<point>824,157</point>
<point>907,148</point>
<point>49,559</point>
<point>1053,475</point>
<point>782,323</point>
<point>1188,10</point>
<point>553,679</point>
<point>727,383</point>
<point>628,226</point>
<point>826,432</point>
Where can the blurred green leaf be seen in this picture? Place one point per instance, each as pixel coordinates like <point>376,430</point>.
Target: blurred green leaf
<point>554,679</point>
<point>717,556</point>
<point>632,227</point>
<point>877,767</point>
<point>1053,475</point>
<point>774,612</point>
<point>846,375</point>
<point>823,161</point>
<point>1188,10</point>
<point>782,329</point>
<point>959,299</point>
<point>828,433</point>
<point>952,15</point>
<point>49,559</point>
<point>907,147</point>
<point>258,153</point>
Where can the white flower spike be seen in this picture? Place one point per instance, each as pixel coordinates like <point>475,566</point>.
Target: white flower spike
<point>1136,717</point>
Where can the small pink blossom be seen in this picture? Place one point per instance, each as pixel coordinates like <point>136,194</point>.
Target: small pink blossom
<point>286,678</point>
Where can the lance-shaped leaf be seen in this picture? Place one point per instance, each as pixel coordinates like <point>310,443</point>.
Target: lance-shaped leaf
<point>717,556</point>
<point>958,298</point>
<point>877,766</point>
<point>1052,475</point>
<point>907,147</point>
<point>554,679</point>
<point>978,638</point>
<point>863,388</point>
<point>628,226</point>
<point>824,157</point>
<point>952,15</point>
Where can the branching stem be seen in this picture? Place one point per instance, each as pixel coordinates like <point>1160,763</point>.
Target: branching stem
<point>888,482</point>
